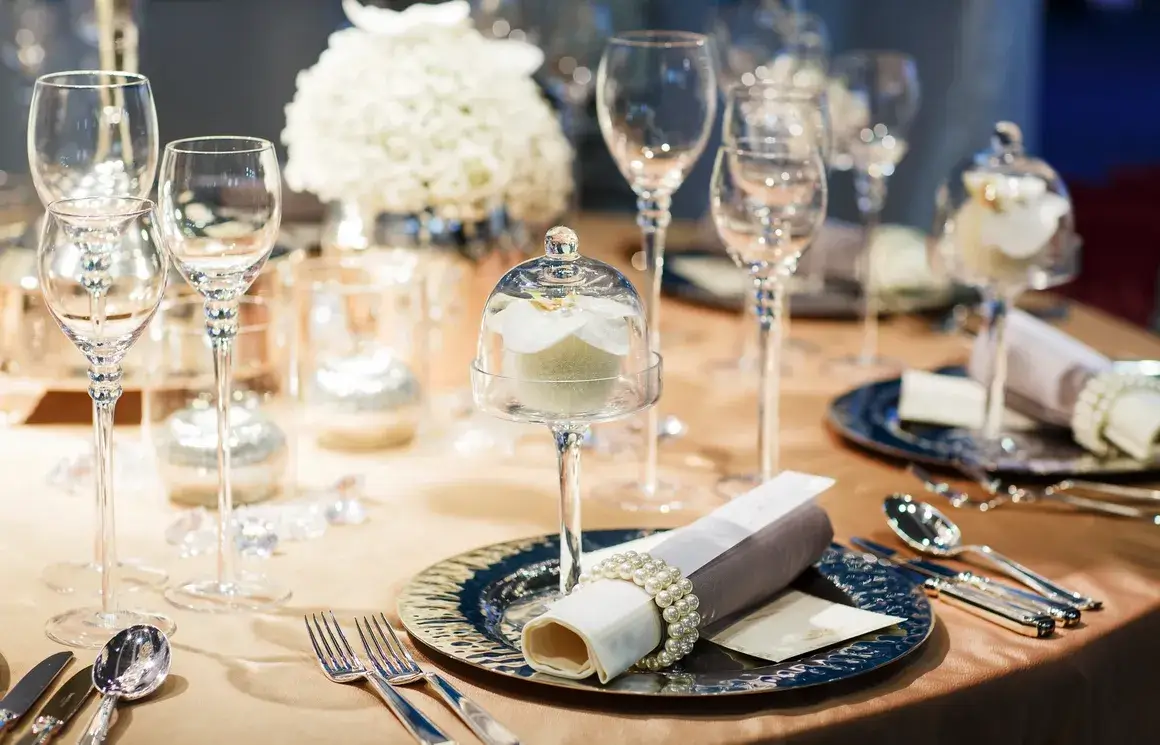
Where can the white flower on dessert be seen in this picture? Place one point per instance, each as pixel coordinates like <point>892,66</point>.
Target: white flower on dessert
<point>531,326</point>
<point>414,110</point>
<point>1015,214</point>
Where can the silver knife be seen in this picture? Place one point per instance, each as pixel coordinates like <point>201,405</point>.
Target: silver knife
<point>1064,614</point>
<point>976,602</point>
<point>31,687</point>
<point>60,708</point>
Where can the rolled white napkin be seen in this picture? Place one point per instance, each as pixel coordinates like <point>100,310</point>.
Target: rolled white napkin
<point>736,556</point>
<point>1051,375</point>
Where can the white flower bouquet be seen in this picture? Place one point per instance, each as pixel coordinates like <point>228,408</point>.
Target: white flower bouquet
<point>412,111</point>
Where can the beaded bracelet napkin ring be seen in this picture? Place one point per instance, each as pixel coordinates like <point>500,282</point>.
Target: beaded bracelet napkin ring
<point>672,593</point>
<point>1090,416</point>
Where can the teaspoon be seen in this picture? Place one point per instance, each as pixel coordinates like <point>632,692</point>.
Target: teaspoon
<point>927,530</point>
<point>132,665</point>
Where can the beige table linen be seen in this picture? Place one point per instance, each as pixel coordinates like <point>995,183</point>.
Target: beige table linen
<point>252,679</point>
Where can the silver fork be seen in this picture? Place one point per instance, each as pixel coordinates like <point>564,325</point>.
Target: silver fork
<point>341,665</point>
<point>396,664</point>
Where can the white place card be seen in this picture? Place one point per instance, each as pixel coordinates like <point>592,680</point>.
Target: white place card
<point>795,623</point>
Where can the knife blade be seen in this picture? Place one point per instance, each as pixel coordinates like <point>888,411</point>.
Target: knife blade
<point>1064,614</point>
<point>976,602</point>
<point>63,705</point>
<point>31,687</point>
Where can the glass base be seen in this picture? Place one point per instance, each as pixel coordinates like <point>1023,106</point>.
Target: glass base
<point>668,496</point>
<point>89,628</point>
<point>241,596</point>
<point>734,486</point>
<point>84,577</point>
<point>865,366</point>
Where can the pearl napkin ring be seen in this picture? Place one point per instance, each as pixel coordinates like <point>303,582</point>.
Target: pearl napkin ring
<point>672,593</point>
<point>1090,417</point>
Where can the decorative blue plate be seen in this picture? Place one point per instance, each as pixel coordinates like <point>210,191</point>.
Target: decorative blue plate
<point>463,608</point>
<point>868,416</point>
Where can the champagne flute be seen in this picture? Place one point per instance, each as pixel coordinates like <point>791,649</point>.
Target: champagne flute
<point>656,99</point>
<point>93,133</point>
<point>880,97</point>
<point>221,206</point>
<point>102,274</point>
<point>768,199</point>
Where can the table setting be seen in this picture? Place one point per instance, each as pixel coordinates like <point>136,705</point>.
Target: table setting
<point>333,512</point>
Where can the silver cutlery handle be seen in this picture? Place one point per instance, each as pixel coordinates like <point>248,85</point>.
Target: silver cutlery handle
<point>1036,581</point>
<point>992,609</point>
<point>1105,508</point>
<point>1136,493</point>
<point>416,722</point>
<point>99,725</point>
<point>473,715</point>
<point>1065,614</point>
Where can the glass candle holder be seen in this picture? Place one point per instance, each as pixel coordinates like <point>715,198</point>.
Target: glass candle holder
<point>178,406</point>
<point>355,372</point>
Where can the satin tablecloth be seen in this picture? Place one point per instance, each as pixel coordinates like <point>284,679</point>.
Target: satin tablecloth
<point>252,679</point>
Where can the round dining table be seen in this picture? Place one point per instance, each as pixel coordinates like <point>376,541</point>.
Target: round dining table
<point>255,679</point>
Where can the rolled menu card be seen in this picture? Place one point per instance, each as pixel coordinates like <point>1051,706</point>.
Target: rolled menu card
<point>737,556</point>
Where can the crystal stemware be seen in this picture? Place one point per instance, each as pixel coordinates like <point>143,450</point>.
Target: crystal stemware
<point>93,133</point>
<point>1004,224</point>
<point>102,275</point>
<point>768,199</point>
<point>564,343</point>
<point>874,100</point>
<point>220,201</point>
<point>767,109</point>
<point>656,99</point>
<point>757,41</point>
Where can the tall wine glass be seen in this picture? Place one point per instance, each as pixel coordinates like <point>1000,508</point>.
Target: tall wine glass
<point>656,99</point>
<point>880,96</point>
<point>221,206</point>
<point>102,274</point>
<point>768,199</point>
<point>93,133</point>
<point>758,41</point>
<point>754,112</point>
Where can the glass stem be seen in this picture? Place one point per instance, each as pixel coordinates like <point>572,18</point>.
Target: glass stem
<point>770,296</point>
<point>653,217</point>
<point>749,352</point>
<point>995,308</point>
<point>105,389</point>
<point>569,440</point>
<point>221,323</point>
<point>871,193</point>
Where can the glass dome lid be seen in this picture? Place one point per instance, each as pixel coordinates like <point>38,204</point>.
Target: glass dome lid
<point>564,338</point>
<point>1005,219</point>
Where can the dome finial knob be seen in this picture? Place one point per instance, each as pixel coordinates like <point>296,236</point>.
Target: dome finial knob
<point>562,242</point>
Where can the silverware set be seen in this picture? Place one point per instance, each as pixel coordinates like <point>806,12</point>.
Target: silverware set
<point>999,493</point>
<point>132,665</point>
<point>392,665</point>
<point>1035,612</point>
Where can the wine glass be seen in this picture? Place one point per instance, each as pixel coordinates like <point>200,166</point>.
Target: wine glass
<point>874,100</point>
<point>768,199</point>
<point>1005,224</point>
<point>754,112</point>
<point>762,42</point>
<point>656,99</point>
<point>93,133</point>
<point>102,274</point>
<point>220,202</point>
<point>564,342</point>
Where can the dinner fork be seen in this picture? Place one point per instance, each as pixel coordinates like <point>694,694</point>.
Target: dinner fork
<point>341,665</point>
<point>396,664</point>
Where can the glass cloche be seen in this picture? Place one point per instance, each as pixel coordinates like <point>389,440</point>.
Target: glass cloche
<point>1004,225</point>
<point>564,342</point>
<point>1004,221</point>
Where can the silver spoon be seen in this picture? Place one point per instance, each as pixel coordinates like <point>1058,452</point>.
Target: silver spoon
<point>132,665</point>
<point>927,530</point>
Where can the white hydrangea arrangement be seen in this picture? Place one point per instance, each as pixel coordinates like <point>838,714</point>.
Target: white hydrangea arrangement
<point>415,110</point>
